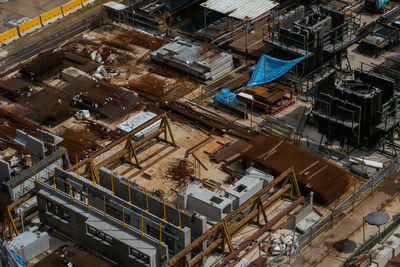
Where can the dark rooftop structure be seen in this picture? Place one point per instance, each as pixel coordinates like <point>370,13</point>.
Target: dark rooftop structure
<point>322,36</point>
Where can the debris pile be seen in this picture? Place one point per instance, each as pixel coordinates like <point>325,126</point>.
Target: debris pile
<point>182,172</point>
<point>203,63</point>
<point>282,244</point>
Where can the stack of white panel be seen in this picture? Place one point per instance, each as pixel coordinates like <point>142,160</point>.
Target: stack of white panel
<point>194,58</point>
<point>139,119</point>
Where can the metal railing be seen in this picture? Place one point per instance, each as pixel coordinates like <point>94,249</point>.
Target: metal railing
<point>49,40</point>
<point>338,211</point>
<point>375,239</point>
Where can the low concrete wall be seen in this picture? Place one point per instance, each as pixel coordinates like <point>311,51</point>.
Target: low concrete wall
<point>23,183</point>
<point>175,238</point>
<point>5,173</point>
<point>36,147</point>
<point>75,227</point>
<point>196,222</point>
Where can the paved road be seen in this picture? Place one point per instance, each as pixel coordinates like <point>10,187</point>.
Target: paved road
<point>322,252</point>
<point>13,10</point>
<point>32,44</point>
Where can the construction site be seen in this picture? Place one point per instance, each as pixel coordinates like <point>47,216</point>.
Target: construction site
<point>200,133</point>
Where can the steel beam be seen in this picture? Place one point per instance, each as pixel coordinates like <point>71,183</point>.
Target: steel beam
<point>235,221</point>
<point>129,148</point>
<point>120,140</point>
<point>9,222</point>
<point>261,231</point>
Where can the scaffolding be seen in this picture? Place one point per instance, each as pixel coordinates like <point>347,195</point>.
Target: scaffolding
<point>292,35</point>
<point>333,112</point>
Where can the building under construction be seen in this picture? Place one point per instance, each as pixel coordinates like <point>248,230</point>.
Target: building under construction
<point>321,36</point>
<point>124,141</point>
<point>358,111</point>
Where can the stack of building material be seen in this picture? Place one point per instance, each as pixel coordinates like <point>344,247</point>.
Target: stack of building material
<point>204,63</point>
<point>225,153</point>
<point>139,119</point>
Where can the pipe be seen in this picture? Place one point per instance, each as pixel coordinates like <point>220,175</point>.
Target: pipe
<point>260,232</point>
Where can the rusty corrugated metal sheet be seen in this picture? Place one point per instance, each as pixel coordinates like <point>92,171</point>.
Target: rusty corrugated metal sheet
<point>313,172</point>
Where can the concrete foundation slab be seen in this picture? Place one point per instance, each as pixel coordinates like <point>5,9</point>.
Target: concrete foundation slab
<point>307,222</point>
<point>71,74</point>
<point>138,120</point>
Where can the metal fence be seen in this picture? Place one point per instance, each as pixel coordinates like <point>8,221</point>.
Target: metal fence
<point>372,241</point>
<point>49,40</point>
<point>339,210</point>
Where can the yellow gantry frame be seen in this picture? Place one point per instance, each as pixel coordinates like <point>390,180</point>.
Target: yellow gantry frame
<point>9,221</point>
<point>129,149</point>
<point>222,233</point>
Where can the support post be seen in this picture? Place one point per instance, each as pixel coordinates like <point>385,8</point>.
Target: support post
<point>123,216</point>
<point>165,214</point>
<point>147,203</point>
<point>34,170</point>
<point>112,185</point>
<point>179,217</point>
<point>161,243</point>
<point>262,210</point>
<point>227,235</point>
<point>93,172</point>
<point>77,167</point>
<point>142,226</point>
<point>61,160</point>
<point>170,131</point>
<point>54,182</point>
<point>129,145</point>
<point>87,196</point>
<point>70,189</point>
<point>129,193</point>
<point>105,208</point>
<point>363,230</point>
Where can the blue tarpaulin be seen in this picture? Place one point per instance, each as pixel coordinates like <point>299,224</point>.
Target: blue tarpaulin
<point>269,68</point>
<point>18,258</point>
<point>226,96</point>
